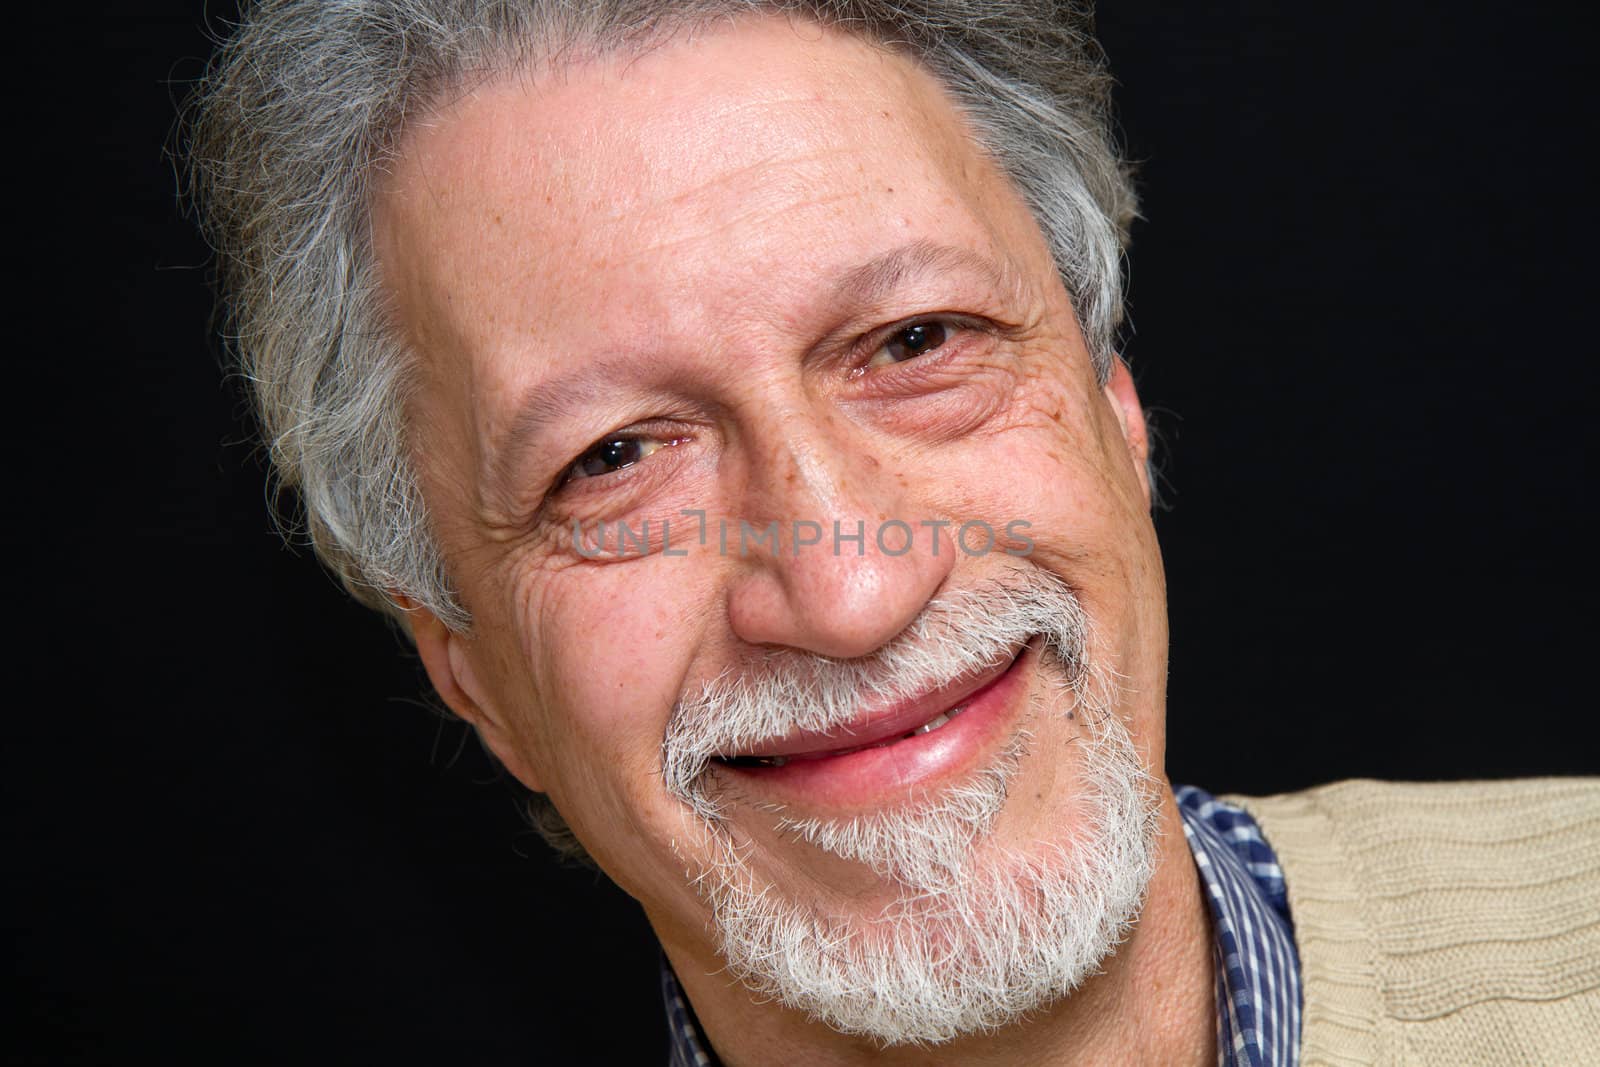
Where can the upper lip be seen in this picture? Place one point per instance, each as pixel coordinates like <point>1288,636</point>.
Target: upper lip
<point>885,723</point>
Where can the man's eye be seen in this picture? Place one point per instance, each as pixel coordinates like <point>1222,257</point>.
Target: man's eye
<point>909,342</point>
<point>612,454</point>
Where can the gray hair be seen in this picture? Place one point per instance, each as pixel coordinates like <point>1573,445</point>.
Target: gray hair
<point>309,99</point>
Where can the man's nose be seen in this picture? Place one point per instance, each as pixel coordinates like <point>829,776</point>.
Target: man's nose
<point>854,563</point>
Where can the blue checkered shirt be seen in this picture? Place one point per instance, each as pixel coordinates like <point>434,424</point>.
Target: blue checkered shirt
<point>1257,969</point>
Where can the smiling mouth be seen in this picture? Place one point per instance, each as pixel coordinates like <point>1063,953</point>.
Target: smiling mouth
<point>911,719</point>
<point>781,760</point>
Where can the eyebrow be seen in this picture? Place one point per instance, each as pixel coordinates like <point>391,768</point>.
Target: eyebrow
<point>871,282</point>
<point>594,382</point>
<point>882,275</point>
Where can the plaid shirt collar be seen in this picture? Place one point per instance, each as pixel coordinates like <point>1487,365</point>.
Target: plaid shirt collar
<point>1258,971</point>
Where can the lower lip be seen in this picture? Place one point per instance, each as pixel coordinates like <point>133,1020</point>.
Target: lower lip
<point>872,776</point>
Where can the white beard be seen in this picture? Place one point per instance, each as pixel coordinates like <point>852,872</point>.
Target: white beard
<point>977,935</point>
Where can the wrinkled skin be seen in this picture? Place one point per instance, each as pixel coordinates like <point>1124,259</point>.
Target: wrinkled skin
<point>677,245</point>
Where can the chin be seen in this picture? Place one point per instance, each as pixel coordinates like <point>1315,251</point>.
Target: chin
<point>966,929</point>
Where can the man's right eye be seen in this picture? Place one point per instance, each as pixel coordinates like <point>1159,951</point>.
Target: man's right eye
<point>613,454</point>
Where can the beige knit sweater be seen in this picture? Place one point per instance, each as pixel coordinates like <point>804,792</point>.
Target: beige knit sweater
<point>1444,924</point>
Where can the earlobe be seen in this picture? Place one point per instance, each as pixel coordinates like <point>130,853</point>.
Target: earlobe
<point>451,662</point>
<point>1124,399</point>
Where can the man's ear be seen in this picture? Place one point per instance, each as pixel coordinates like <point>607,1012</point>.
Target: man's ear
<point>454,663</point>
<point>1124,400</point>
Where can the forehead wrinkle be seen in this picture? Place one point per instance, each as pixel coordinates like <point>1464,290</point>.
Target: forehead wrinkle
<point>776,172</point>
<point>749,216</point>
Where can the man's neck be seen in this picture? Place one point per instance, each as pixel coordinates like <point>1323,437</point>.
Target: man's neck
<point>1153,1002</point>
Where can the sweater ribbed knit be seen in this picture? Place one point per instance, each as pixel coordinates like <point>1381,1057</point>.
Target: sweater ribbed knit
<point>1449,924</point>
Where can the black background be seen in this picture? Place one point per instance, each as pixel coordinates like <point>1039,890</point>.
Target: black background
<point>1361,314</point>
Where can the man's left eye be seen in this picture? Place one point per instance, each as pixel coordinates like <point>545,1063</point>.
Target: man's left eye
<point>909,342</point>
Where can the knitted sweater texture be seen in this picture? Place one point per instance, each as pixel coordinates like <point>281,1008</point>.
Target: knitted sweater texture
<point>1449,924</point>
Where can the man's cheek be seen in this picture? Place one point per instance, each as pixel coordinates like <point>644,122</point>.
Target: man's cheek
<point>613,642</point>
<point>1026,477</point>
<point>1057,393</point>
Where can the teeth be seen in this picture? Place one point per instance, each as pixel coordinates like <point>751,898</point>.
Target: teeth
<point>936,722</point>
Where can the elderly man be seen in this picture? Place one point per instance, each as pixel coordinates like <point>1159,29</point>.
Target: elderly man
<point>723,396</point>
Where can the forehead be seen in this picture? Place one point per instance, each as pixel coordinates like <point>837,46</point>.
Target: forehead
<point>724,180</point>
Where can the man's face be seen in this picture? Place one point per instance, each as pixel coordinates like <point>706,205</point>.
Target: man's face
<point>762,273</point>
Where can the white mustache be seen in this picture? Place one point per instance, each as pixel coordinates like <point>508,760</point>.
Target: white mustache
<point>957,634</point>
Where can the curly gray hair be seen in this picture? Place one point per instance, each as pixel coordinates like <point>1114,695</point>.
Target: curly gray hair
<point>309,98</point>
